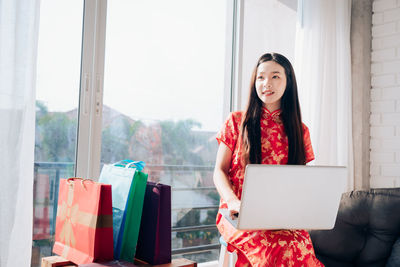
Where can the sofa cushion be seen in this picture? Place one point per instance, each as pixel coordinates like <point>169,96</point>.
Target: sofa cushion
<point>367,226</point>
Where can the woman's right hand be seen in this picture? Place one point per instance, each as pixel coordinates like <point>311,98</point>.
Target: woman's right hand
<point>233,207</point>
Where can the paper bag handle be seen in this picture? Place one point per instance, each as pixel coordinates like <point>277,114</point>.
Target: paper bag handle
<point>81,179</point>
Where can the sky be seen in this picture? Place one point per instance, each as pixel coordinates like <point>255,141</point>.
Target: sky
<point>164,59</point>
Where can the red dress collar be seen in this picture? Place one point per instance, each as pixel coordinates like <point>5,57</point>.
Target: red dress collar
<point>275,115</point>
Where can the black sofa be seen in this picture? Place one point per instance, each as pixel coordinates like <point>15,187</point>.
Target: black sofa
<point>366,232</point>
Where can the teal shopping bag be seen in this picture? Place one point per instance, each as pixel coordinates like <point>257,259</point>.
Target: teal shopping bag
<point>133,215</point>
<point>125,189</point>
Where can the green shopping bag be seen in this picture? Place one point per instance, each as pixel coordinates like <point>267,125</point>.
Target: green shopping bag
<point>133,216</point>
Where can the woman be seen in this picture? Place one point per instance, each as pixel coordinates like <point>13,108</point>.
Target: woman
<point>270,131</point>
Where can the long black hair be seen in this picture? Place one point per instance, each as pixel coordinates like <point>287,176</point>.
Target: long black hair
<point>290,115</point>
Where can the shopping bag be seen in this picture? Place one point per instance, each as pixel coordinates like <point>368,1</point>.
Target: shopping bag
<point>154,243</point>
<point>84,221</point>
<point>120,175</point>
<point>128,235</point>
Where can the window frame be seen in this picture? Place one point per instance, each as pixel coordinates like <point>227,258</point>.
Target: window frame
<point>91,85</point>
<point>88,151</point>
<point>91,89</point>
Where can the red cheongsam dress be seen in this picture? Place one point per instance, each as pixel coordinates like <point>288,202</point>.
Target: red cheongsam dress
<point>263,248</point>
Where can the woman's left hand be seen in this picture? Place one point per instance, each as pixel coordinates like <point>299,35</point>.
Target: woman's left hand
<point>233,208</point>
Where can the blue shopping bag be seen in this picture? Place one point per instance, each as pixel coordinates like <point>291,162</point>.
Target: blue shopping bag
<point>120,175</point>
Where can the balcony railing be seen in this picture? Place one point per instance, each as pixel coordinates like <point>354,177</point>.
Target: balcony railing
<point>194,233</point>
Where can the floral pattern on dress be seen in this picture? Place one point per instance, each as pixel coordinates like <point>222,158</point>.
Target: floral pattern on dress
<point>264,247</point>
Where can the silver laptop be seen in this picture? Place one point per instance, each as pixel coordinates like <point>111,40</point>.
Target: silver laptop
<point>290,197</point>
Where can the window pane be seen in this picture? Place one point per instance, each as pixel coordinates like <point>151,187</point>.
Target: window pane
<point>57,90</point>
<point>163,100</point>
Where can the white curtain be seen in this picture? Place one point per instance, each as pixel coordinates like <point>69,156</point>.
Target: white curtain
<point>323,69</point>
<point>18,46</point>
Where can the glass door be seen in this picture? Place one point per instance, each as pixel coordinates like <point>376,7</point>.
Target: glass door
<point>163,104</point>
<point>57,94</point>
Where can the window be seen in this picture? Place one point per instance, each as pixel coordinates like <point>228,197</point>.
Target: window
<point>163,104</point>
<point>58,76</point>
<point>165,97</point>
<point>268,26</point>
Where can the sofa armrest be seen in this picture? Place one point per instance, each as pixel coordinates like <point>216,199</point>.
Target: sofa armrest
<point>367,226</point>
<point>394,259</point>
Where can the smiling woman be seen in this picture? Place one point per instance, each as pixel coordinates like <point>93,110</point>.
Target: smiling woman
<point>270,84</point>
<point>270,131</point>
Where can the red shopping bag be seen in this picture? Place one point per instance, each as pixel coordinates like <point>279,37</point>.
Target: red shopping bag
<point>84,230</point>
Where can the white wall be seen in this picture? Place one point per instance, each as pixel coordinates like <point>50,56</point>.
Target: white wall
<point>269,26</point>
<point>385,94</point>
